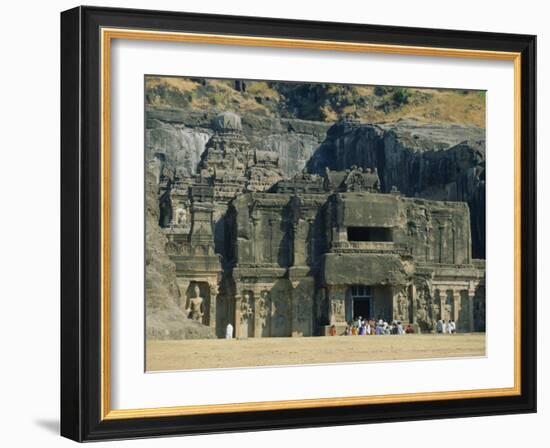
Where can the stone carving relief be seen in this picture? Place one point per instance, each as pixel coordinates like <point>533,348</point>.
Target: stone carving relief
<point>181,216</point>
<point>196,305</point>
<point>246,308</point>
<point>425,304</point>
<point>246,311</point>
<point>337,311</point>
<point>359,180</point>
<point>263,304</point>
<point>263,313</point>
<point>401,305</point>
<point>419,230</point>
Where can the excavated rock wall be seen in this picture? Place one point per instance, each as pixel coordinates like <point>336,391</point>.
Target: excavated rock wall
<point>164,317</point>
<point>181,136</point>
<point>440,162</point>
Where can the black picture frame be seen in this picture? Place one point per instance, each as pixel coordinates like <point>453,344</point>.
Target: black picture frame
<point>81,224</point>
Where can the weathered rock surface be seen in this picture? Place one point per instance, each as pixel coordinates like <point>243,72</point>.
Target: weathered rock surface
<point>441,162</point>
<point>182,136</point>
<point>180,146</point>
<point>434,161</point>
<point>165,319</point>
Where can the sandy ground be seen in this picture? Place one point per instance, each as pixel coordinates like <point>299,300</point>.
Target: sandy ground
<point>216,353</point>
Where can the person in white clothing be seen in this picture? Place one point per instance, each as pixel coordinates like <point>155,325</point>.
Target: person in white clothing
<point>445,326</point>
<point>400,328</point>
<point>229,331</point>
<point>452,327</point>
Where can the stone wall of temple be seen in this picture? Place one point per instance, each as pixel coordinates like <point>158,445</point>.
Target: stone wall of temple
<point>280,256</point>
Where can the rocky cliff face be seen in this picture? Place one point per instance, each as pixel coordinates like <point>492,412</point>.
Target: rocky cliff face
<point>181,136</point>
<point>165,319</point>
<point>432,161</point>
<point>441,162</point>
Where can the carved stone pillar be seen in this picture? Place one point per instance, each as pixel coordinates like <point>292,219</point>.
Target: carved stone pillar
<point>238,313</point>
<point>212,304</point>
<point>456,305</point>
<point>312,242</point>
<point>413,304</point>
<point>299,232</point>
<point>272,223</point>
<point>446,304</point>
<point>339,237</point>
<point>442,298</point>
<point>302,307</point>
<point>441,230</point>
<point>471,294</point>
<point>262,313</point>
<point>255,316</point>
<point>256,244</point>
<point>453,233</point>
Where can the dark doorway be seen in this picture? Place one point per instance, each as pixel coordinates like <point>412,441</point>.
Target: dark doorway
<point>361,307</point>
<point>361,300</point>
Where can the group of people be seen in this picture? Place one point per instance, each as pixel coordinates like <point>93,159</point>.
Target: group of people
<point>372,327</point>
<point>442,327</point>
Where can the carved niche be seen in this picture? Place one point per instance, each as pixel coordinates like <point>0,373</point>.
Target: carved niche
<point>263,314</point>
<point>401,304</point>
<point>424,304</point>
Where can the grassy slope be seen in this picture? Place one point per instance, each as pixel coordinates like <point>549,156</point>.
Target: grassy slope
<point>320,102</point>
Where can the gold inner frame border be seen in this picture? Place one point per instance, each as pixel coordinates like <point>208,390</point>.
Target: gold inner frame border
<point>107,36</point>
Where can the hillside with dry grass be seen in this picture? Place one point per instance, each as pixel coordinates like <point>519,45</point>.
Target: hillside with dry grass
<point>319,102</point>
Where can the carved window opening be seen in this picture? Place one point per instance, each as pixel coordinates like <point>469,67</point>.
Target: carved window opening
<point>361,302</point>
<point>374,234</point>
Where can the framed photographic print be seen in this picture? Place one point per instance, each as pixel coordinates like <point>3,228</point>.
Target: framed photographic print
<point>272,224</point>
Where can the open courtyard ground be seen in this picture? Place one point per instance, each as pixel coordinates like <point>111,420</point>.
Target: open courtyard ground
<point>256,352</point>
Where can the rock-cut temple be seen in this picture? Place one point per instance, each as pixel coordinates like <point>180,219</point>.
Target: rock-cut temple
<point>292,257</point>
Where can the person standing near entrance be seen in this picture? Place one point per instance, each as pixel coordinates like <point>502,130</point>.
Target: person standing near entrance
<point>229,331</point>
<point>399,327</point>
<point>372,326</point>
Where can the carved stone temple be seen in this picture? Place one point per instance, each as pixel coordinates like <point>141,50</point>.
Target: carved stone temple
<point>291,257</point>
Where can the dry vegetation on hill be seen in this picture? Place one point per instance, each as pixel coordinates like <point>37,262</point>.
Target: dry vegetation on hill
<point>319,102</point>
